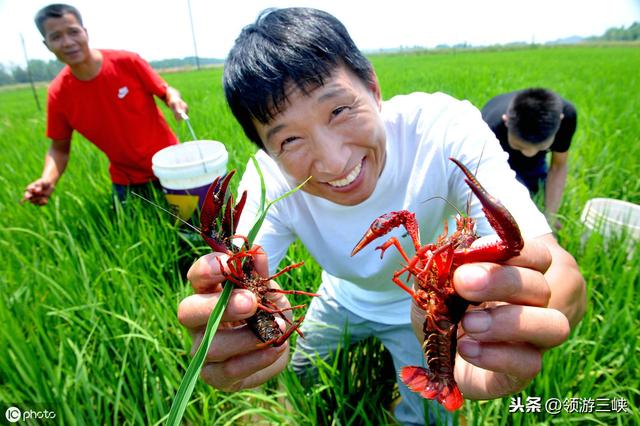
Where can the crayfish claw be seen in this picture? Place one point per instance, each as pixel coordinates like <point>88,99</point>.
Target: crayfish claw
<point>219,216</point>
<point>498,216</point>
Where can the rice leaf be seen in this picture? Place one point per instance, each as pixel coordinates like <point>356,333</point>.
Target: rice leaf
<point>263,187</point>
<point>193,371</point>
<point>256,227</point>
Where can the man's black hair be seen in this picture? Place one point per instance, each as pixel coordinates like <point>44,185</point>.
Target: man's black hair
<point>302,46</point>
<point>55,11</point>
<point>534,114</point>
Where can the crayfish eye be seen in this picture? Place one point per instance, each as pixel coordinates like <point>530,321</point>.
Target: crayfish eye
<point>378,225</point>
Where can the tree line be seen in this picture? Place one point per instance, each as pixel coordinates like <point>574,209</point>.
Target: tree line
<point>632,33</point>
<point>40,71</point>
<point>46,70</point>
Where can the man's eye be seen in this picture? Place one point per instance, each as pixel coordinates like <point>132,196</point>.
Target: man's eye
<point>338,110</point>
<point>288,140</point>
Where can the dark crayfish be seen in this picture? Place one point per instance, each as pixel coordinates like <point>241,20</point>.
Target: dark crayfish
<point>218,223</point>
<point>432,268</point>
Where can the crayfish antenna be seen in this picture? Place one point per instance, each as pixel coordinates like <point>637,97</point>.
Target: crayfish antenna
<point>166,211</point>
<point>453,206</point>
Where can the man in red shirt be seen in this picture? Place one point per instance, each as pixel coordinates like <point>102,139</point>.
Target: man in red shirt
<point>108,97</point>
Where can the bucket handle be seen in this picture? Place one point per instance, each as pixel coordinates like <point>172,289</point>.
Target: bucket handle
<point>185,118</point>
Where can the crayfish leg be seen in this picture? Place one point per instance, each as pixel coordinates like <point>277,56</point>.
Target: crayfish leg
<point>393,241</point>
<point>299,292</point>
<point>403,286</point>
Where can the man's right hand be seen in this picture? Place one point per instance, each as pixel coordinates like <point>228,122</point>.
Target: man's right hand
<point>233,361</point>
<point>38,192</point>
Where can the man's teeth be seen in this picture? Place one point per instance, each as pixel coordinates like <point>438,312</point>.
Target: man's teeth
<point>347,180</point>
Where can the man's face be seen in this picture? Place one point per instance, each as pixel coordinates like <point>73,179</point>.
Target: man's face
<point>334,134</point>
<point>528,149</point>
<point>66,39</point>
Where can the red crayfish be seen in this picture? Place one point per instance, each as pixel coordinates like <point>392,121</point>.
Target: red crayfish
<point>432,267</point>
<point>218,223</point>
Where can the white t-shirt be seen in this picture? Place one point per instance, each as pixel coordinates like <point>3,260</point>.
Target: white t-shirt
<point>422,132</point>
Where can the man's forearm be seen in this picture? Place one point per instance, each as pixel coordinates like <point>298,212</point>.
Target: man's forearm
<point>554,188</point>
<point>55,163</point>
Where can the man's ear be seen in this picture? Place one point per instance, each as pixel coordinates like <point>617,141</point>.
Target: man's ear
<point>505,119</point>
<point>561,116</point>
<point>374,87</point>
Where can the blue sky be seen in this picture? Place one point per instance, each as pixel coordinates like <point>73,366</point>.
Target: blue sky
<point>159,29</point>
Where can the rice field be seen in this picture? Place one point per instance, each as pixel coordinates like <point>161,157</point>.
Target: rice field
<point>88,326</point>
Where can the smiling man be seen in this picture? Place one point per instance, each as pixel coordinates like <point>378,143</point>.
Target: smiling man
<point>309,99</point>
<point>530,123</point>
<point>108,97</point>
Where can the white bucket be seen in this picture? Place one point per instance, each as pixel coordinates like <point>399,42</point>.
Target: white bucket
<point>609,218</point>
<point>187,170</point>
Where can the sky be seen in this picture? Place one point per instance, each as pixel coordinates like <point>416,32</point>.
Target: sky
<point>161,29</point>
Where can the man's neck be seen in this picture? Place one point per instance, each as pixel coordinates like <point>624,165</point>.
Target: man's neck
<point>89,68</point>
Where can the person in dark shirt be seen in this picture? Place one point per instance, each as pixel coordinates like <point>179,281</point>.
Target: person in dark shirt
<point>529,123</point>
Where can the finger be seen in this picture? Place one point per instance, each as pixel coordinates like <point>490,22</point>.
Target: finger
<point>479,282</point>
<point>534,255</point>
<point>205,274</point>
<point>479,383</point>
<point>231,342</point>
<point>261,261</point>
<point>247,370</point>
<point>228,343</point>
<point>194,311</point>
<point>38,201</point>
<point>514,359</point>
<point>32,193</point>
<point>540,327</point>
<point>33,188</point>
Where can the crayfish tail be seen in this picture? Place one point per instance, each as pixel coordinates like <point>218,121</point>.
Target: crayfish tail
<point>421,381</point>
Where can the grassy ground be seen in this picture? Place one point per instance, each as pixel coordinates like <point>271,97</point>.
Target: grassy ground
<point>89,293</point>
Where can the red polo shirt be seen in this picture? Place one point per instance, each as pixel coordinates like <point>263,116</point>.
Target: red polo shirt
<point>116,111</point>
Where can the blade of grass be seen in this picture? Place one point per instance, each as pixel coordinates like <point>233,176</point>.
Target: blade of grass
<point>263,214</point>
<point>263,188</point>
<point>193,371</point>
